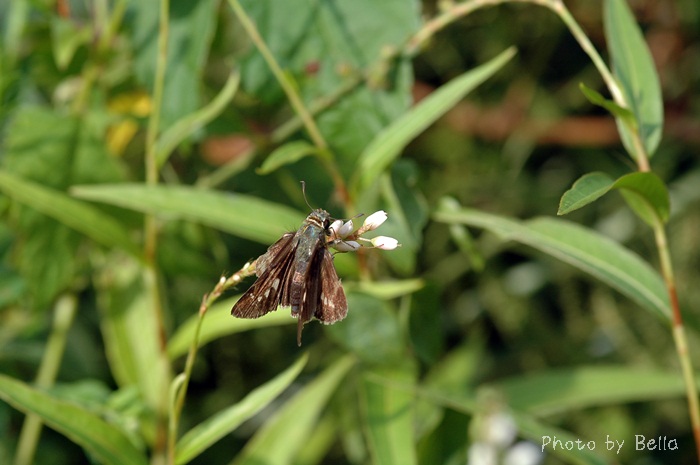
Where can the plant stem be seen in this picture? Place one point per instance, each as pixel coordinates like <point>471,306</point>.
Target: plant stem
<point>294,98</point>
<point>150,230</point>
<point>181,382</point>
<point>679,336</point>
<point>53,354</point>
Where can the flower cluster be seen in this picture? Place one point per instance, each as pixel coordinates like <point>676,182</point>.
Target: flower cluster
<point>344,239</point>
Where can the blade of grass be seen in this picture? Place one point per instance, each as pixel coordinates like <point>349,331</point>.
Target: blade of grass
<point>216,427</point>
<point>105,442</point>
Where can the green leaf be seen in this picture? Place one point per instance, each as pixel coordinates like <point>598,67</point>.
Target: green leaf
<point>387,290</point>
<point>105,442</point>
<point>388,144</point>
<point>287,154</point>
<point>646,195</point>
<point>585,249</point>
<point>66,37</point>
<point>75,214</point>
<point>625,115</point>
<point>46,151</point>
<point>588,188</point>
<point>634,69</point>
<point>389,415</point>
<point>371,330</point>
<point>325,52</point>
<point>238,214</point>
<point>128,301</point>
<point>199,438</point>
<point>217,323</point>
<point>281,437</point>
<point>558,391</point>
<point>187,125</point>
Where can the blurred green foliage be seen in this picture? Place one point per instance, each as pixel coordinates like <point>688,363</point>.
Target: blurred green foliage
<point>465,139</point>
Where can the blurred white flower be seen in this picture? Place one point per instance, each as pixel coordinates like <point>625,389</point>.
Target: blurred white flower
<point>523,453</point>
<point>500,429</point>
<point>481,453</point>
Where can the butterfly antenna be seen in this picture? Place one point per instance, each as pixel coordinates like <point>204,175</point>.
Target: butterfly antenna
<point>303,191</point>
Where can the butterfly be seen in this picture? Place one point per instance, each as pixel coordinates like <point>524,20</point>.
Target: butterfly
<point>297,272</point>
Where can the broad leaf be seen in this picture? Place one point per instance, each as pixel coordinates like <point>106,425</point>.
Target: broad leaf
<point>190,32</point>
<point>645,193</point>
<point>326,52</point>
<point>588,188</point>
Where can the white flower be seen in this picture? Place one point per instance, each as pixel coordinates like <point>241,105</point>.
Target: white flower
<point>340,230</point>
<point>374,220</point>
<point>384,242</point>
<point>346,246</point>
<point>343,239</point>
<point>346,229</point>
<point>335,227</point>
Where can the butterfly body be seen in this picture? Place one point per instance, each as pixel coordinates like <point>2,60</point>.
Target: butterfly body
<point>297,272</point>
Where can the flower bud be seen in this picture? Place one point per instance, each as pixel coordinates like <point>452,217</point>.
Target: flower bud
<point>346,246</point>
<point>346,229</point>
<point>374,220</point>
<point>335,227</point>
<point>385,243</point>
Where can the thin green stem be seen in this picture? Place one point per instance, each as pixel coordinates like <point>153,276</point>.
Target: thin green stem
<point>151,163</point>
<point>182,381</point>
<point>282,79</point>
<point>160,447</point>
<point>64,315</point>
<point>679,335</point>
<point>293,96</point>
<point>558,7</point>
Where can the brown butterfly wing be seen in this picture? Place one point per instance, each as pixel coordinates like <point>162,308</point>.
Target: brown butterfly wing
<point>274,271</point>
<point>332,305</point>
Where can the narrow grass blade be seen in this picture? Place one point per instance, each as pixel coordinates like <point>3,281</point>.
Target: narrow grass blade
<point>105,442</point>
